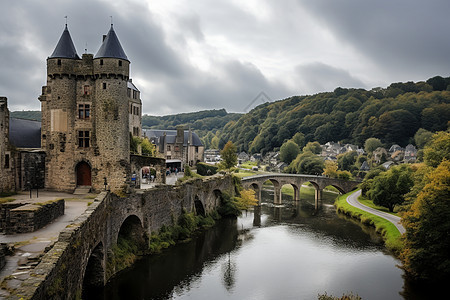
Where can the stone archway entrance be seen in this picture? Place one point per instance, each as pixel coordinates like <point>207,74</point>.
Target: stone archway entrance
<point>83,171</point>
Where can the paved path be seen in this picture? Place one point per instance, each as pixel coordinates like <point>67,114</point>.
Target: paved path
<point>353,200</point>
<point>170,180</point>
<point>33,244</point>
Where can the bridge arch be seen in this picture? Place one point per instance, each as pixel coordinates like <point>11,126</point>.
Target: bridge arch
<point>218,198</point>
<point>295,187</point>
<point>199,207</point>
<point>94,274</point>
<point>340,189</point>
<point>132,231</point>
<point>257,188</point>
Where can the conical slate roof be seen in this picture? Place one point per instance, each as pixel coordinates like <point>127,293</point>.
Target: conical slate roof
<point>65,47</point>
<point>111,47</point>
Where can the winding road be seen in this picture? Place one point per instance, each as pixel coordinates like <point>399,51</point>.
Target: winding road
<point>353,200</point>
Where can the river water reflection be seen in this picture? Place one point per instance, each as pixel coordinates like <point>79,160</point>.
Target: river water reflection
<point>285,252</point>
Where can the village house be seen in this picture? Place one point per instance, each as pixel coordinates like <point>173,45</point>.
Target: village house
<point>179,147</point>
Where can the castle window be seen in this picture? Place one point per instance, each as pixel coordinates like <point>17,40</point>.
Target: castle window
<point>134,94</point>
<point>129,93</point>
<point>104,85</point>
<point>87,90</point>
<point>101,62</point>
<point>83,139</point>
<point>6,161</point>
<point>59,62</point>
<point>120,63</point>
<point>168,147</point>
<point>84,111</point>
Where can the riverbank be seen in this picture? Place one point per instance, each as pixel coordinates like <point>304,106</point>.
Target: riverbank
<point>388,231</point>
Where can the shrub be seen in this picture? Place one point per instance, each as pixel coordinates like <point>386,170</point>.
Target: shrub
<point>206,169</point>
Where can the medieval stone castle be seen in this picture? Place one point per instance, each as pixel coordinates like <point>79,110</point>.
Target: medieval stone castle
<point>90,108</point>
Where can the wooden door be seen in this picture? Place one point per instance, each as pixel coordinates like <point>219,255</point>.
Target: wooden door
<point>83,174</point>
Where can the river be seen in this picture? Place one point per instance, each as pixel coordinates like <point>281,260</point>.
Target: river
<point>291,251</point>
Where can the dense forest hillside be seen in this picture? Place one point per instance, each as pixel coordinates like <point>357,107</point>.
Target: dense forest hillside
<point>392,114</point>
<point>27,114</point>
<point>205,123</point>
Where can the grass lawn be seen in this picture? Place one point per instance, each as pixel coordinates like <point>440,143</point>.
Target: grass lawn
<point>369,203</point>
<point>249,164</point>
<point>388,231</point>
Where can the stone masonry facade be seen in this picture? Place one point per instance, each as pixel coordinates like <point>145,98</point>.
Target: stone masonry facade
<point>7,182</point>
<point>86,120</point>
<point>62,271</point>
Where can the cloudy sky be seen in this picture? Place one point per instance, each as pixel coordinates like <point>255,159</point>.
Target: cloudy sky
<point>202,54</point>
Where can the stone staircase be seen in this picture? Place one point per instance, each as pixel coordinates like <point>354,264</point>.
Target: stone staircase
<point>82,189</point>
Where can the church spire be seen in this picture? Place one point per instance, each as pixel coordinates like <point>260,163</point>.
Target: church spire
<point>111,47</point>
<point>65,47</point>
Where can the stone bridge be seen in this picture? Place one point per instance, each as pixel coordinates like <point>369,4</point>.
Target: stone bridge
<point>296,180</point>
<point>83,256</point>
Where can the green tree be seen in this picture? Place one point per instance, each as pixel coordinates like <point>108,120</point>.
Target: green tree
<point>148,148</point>
<point>306,163</point>
<point>346,161</point>
<point>330,169</point>
<point>313,147</point>
<point>134,143</point>
<point>422,137</point>
<point>438,149</point>
<point>299,139</point>
<point>427,242</point>
<point>389,188</point>
<point>228,155</point>
<point>372,144</point>
<point>246,200</point>
<point>289,151</point>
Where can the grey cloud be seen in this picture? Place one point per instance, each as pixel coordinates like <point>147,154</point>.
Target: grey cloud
<point>237,86</point>
<point>402,37</point>
<point>321,77</point>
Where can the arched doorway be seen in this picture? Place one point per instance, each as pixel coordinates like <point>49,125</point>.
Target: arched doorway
<point>83,171</point>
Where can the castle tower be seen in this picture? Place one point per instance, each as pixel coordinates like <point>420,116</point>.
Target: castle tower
<point>111,72</point>
<point>85,122</point>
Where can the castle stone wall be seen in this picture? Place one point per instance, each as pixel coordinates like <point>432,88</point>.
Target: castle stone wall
<point>61,272</point>
<point>7,163</point>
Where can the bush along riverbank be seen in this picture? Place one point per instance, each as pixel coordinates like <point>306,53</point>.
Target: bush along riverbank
<point>390,234</point>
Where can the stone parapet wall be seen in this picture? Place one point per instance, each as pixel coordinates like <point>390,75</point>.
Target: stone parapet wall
<point>5,211</point>
<point>31,217</point>
<point>61,272</point>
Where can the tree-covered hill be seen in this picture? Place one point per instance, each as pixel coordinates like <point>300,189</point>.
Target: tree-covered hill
<point>392,114</point>
<point>205,123</point>
<point>27,114</point>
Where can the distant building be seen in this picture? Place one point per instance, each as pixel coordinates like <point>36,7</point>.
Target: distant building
<point>379,154</point>
<point>180,147</point>
<point>256,157</point>
<point>387,165</point>
<point>410,153</point>
<point>394,148</point>
<point>364,166</point>
<point>243,157</point>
